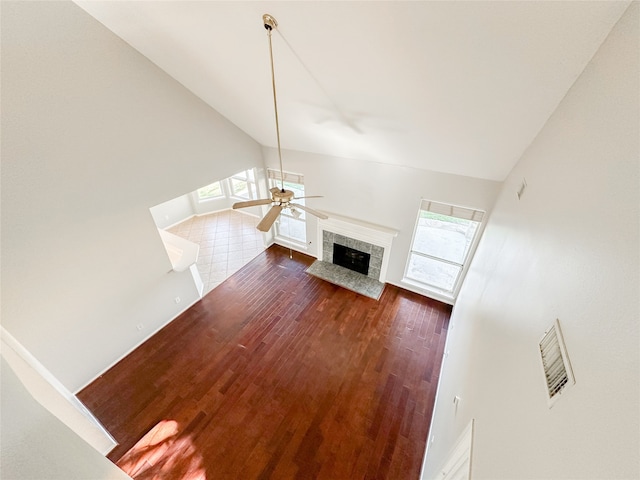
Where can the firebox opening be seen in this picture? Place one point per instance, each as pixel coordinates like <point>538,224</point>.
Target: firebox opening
<point>352,259</point>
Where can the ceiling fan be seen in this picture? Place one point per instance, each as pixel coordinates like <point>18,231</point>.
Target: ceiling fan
<point>280,197</point>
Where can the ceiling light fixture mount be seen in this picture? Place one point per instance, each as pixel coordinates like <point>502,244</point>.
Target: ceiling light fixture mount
<point>270,23</point>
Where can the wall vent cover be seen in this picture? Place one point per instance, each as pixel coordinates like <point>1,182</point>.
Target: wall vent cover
<point>555,363</point>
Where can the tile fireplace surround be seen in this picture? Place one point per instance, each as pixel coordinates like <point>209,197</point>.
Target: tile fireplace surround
<point>376,251</point>
<point>372,239</point>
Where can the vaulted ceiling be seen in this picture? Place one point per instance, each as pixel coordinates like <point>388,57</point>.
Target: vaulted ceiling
<point>456,87</point>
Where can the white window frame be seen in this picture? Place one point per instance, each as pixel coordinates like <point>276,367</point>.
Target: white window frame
<point>275,180</point>
<point>451,211</point>
<point>247,176</point>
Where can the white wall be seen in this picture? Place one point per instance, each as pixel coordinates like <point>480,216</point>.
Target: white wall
<point>173,211</point>
<point>381,194</point>
<point>210,206</point>
<point>36,445</point>
<point>568,250</point>
<point>93,136</point>
<point>53,396</point>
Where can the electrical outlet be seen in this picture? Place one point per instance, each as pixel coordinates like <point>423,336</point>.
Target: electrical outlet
<point>139,326</point>
<point>177,300</point>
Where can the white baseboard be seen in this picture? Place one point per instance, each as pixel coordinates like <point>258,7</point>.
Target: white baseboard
<point>151,334</point>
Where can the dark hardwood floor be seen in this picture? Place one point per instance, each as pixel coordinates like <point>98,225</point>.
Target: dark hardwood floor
<point>278,374</point>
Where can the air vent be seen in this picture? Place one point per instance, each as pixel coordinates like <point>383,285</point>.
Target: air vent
<point>555,362</point>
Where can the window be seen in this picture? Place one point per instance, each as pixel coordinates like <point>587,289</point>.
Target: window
<point>443,237</point>
<point>291,225</point>
<point>243,185</point>
<point>210,191</point>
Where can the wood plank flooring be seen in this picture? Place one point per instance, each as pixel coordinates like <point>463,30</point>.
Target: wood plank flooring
<point>278,374</point>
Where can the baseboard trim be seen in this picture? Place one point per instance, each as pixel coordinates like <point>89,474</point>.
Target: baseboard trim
<point>128,352</point>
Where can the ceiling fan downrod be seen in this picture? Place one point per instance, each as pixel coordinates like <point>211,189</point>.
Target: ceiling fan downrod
<point>279,198</point>
<point>270,24</point>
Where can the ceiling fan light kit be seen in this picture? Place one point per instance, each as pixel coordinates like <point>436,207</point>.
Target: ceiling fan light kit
<point>280,197</point>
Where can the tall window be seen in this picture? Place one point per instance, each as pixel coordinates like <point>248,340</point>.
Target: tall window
<point>291,225</point>
<point>442,242</point>
<point>243,185</point>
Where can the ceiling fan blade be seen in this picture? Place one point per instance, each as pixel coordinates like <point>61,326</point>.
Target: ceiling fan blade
<point>310,210</point>
<point>269,218</point>
<point>310,196</point>
<point>252,203</point>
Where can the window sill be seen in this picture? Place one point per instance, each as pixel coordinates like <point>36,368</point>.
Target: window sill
<point>427,291</point>
<point>288,243</point>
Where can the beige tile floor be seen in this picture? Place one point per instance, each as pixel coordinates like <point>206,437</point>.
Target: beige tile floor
<point>228,241</point>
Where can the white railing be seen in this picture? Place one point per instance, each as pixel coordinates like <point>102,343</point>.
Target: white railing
<point>53,395</point>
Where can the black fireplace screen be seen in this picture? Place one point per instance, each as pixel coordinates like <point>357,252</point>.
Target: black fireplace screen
<point>352,259</point>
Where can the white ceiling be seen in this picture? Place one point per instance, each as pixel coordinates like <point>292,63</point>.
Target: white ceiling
<point>456,87</point>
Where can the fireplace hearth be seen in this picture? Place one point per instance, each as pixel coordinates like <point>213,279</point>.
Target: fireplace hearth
<point>353,254</point>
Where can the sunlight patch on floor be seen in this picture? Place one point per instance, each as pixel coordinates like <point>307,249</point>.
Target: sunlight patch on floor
<point>176,456</point>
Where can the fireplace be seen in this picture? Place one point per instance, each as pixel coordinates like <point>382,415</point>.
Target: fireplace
<point>351,258</point>
<point>374,241</point>
<point>353,254</point>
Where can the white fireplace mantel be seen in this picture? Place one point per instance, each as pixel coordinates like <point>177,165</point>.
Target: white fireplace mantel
<point>358,230</point>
